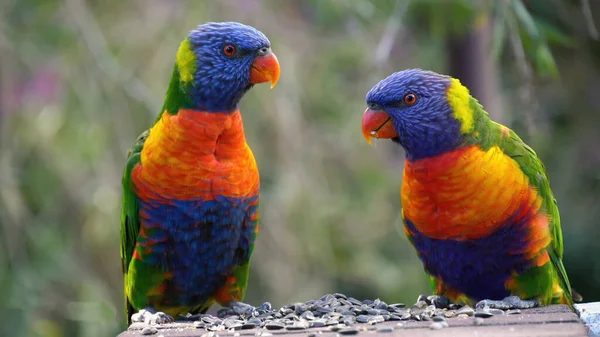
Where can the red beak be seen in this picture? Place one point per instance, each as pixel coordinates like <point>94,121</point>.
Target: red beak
<point>265,69</point>
<point>377,124</point>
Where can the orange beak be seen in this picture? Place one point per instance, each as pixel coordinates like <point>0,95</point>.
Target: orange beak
<point>265,69</point>
<point>377,124</point>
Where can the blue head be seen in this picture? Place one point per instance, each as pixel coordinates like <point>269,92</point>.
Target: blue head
<point>218,62</point>
<point>427,113</point>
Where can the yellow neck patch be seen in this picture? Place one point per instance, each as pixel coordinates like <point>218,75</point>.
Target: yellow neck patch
<point>186,61</point>
<point>459,100</point>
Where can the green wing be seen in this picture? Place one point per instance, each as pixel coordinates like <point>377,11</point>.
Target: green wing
<point>534,169</point>
<point>130,223</point>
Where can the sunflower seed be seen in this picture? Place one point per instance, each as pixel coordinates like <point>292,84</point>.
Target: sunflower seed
<point>274,325</point>
<point>466,310</point>
<point>385,330</point>
<point>149,330</point>
<point>483,314</point>
<point>436,326</point>
<point>348,331</point>
<point>478,321</point>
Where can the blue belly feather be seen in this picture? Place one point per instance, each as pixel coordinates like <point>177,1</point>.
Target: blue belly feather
<point>198,242</point>
<point>478,268</point>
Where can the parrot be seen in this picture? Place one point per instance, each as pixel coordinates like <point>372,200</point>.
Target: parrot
<point>476,200</point>
<point>190,206</point>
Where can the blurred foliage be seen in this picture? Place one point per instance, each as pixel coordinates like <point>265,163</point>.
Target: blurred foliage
<point>79,80</point>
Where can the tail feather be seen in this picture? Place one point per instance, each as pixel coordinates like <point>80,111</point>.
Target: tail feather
<point>129,311</point>
<point>576,296</point>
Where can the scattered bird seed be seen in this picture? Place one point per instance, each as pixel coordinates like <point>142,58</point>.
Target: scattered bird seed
<point>308,315</point>
<point>332,322</point>
<point>398,305</point>
<point>318,323</point>
<point>337,327</point>
<point>340,312</point>
<point>362,318</point>
<point>149,330</point>
<point>274,325</point>
<point>394,318</point>
<point>439,301</point>
<point>386,329</point>
<point>237,326</point>
<point>510,302</point>
<point>483,314</point>
<point>466,310</point>
<point>348,331</point>
<point>296,326</point>
<point>436,326</point>
<point>372,312</point>
<point>248,326</point>
<point>340,295</point>
<point>496,311</point>
<point>378,319</point>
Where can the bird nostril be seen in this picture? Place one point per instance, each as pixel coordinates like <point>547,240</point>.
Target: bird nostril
<point>264,50</point>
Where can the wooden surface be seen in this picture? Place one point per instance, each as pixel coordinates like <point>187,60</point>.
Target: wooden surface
<point>556,320</point>
<point>590,315</point>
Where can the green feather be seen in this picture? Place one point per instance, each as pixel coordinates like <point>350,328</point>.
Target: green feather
<point>487,133</point>
<point>176,97</point>
<point>130,223</point>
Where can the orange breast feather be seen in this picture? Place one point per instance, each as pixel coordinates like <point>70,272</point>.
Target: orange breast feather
<point>468,194</point>
<point>196,155</point>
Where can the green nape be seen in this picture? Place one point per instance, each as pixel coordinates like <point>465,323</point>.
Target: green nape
<point>485,132</point>
<point>177,96</point>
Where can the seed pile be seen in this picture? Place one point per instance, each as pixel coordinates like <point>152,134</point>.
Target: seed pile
<point>339,313</point>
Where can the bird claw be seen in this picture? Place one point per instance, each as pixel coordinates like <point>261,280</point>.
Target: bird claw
<point>508,303</point>
<point>150,316</point>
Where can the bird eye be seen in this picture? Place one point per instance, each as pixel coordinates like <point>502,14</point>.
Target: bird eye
<point>229,50</point>
<point>410,99</point>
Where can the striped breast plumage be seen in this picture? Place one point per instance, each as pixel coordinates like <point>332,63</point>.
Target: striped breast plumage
<point>475,221</point>
<point>197,185</point>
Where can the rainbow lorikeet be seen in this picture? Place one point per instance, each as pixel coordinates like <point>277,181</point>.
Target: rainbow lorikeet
<point>191,184</point>
<point>476,200</point>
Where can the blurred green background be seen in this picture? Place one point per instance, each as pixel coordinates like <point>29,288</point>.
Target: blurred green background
<point>80,79</point>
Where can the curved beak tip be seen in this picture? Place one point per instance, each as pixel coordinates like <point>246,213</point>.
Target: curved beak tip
<point>265,69</point>
<point>377,124</point>
<point>368,136</point>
